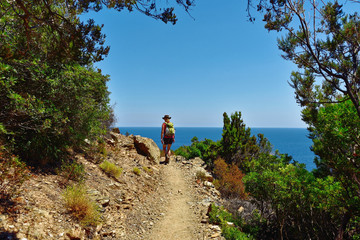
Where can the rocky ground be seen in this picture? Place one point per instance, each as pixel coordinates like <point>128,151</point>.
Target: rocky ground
<point>162,202</point>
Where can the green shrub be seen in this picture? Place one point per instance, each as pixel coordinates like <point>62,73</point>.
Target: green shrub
<point>219,216</point>
<point>111,169</point>
<point>207,150</point>
<point>299,201</point>
<point>136,171</point>
<point>47,110</point>
<point>81,206</point>
<point>233,233</point>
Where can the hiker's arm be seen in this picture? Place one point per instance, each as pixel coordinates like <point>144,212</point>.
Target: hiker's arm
<point>162,134</point>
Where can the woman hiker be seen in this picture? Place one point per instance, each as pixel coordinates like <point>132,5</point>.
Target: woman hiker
<point>167,136</point>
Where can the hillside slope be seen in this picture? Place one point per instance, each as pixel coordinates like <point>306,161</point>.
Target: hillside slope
<point>157,202</point>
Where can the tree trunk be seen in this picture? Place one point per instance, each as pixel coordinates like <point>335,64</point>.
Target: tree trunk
<point>344,222</point>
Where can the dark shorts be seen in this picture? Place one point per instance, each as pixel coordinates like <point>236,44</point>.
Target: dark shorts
<point>168,140</point>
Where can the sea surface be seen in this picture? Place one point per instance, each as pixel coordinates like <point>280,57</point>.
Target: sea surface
<point>293,141</point>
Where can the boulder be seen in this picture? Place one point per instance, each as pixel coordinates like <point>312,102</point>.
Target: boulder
<point>116,130</point>
<point>208,184</point>
<point>115,136</point>
<point>147,147</point>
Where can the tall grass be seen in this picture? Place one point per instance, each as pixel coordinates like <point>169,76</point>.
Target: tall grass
<point>81,206</point>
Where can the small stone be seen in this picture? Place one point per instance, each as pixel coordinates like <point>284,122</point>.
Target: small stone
<point>208,184</point>
<point>215,228</point>
<point>105,202</point>
<point>230,224</point>
<point>241,209</point>
<point>127,206</point>
<point>204,220</point>
<point>98,227</point>
<point>215,235</point>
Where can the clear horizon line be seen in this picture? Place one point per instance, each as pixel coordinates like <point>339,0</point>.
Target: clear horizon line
<point>194,127</point>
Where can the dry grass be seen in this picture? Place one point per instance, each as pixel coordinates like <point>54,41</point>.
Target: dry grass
<point>81,206</point>
<point>111,169</point>
<point>200,175</point>
<point>229,179</point>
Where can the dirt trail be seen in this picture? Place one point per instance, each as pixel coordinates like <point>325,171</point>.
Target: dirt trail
<point>179,221</point>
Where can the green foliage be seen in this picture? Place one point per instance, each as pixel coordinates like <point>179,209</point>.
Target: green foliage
<point>218,215</point>
<point>111,169</point>
<point>303,206</point>
<point>81,206</point>
<point>334,129</point>
<point>47,110</point>
<point>237,144</point>
<point>52,30</point>
<point>324,45</point>
<point>51,96</point>
<point>206,150</point>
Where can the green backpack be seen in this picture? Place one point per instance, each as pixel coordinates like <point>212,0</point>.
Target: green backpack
<point>170,130</point>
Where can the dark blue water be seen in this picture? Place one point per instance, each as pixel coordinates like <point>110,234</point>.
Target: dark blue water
<point>293,141</point>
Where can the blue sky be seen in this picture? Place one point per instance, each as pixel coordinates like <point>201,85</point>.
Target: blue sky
<point>197,69</point>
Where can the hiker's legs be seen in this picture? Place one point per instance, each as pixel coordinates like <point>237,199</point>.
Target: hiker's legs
<point>168,149</point>
<point>164,148</point>
<point>165,152</point>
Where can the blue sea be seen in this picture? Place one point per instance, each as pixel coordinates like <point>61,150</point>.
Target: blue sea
<point>293,141</point>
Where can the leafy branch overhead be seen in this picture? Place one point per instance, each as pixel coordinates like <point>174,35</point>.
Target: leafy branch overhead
<point>323,41</point>
<point>53,31</point>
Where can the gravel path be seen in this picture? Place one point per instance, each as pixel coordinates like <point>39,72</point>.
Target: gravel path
<point>179,222</point>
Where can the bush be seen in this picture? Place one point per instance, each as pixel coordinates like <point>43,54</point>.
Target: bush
<point>81,206</point>
<point>111,169</point>
<point>46,110</point>
<point>201,175</point>
<point>229,179</point>
<point>302,206</point>
<point>207,150</point>
<point>136,171</point>
<point>71,170</point>
<point>219,216</point>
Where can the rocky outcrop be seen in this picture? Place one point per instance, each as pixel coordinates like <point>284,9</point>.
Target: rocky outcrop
<point>148,148</point>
